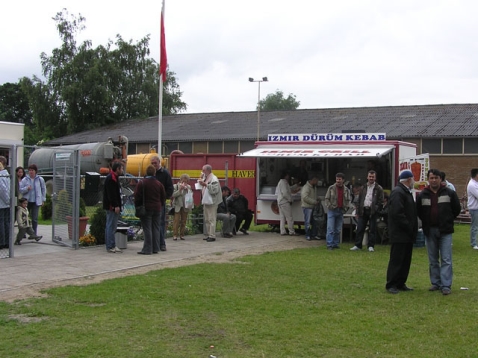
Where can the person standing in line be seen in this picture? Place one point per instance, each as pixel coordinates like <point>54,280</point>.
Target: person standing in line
<point>284,201</point>
<point>210,183</point>
<point>402,230</point>
<point>472,193</point>
<point>337,200</point>
<point>180,210</point>
<point>369,203</point>
<point>437,208</point>
<point>150,193</point>
<point>112,204</point>
<point>20,174</point>
<point>4,204</point>
<point>224,215</point>
<point>308,200</point>
<point>33,188</point>
<point>446,182</point>
<point>164,178</point>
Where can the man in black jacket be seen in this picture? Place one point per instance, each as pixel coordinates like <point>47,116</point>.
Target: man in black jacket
<point>437,207</point>
<point>239,206</point>
<point>402,230</point>
<point>112,204</point>
<point>164,178</point>
<point>223,214</point>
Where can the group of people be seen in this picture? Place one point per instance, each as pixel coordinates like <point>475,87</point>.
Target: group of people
<point>30,193</point>
<point>436,206</point>
<point>152,192</point>
<point>220,204</point>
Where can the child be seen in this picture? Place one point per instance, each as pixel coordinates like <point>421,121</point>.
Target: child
<point>24,223</point>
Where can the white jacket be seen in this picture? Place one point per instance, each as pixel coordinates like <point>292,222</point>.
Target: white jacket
<point>283,192</point>
<point>472,192</point>
<point>4,189</point>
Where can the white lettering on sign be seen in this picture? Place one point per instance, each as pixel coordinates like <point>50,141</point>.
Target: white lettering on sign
<point>62,156</point>
<point>327,137</point>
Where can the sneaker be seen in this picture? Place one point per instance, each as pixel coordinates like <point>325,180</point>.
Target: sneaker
<point>475,247</point>
<point>307,238</point>
<point>355,248</point>
<point>118,250</point>
<point>434,288</point>
<point>162,248</point>
<point>445,291</point>
<point>112,251</point>
<point>371,249</point>
<point>293,234</point>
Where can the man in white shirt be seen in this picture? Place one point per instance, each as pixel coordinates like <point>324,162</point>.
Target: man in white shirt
<point>284,200</point>
<point>472,192</point>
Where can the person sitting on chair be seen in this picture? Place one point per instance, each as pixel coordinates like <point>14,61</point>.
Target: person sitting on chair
<point>239,206</point>
<point>223,214</point>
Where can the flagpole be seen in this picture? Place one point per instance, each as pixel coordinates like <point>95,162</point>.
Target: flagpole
<point>162,45</point>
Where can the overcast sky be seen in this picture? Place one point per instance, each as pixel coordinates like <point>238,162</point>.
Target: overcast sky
<point>330,54</point>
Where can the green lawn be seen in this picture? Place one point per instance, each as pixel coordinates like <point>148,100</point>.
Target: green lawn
<point>299,303</point>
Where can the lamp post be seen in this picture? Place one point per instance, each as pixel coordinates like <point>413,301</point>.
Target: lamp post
<point>264,79</point>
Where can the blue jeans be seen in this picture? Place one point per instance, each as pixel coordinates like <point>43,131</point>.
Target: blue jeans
<point>335,220</point>
<point>439,247</point>
<point>5,227</point>
<point>162,230</point>
<point>474,227</point>
<point>34,209</point>
<point>110,229</point>
<point>308,226</point>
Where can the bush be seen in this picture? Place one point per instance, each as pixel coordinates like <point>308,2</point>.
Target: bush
<point>98,224</point>
<point>82,207</point>
<point>47,208</point>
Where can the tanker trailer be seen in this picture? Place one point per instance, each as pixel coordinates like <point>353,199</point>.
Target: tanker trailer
<point>95,158</point>
<point>137,163</point>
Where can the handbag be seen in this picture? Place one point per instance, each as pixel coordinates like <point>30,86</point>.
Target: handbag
<point>189,200</point>
<point>207,198</point>
<point>140,210</point>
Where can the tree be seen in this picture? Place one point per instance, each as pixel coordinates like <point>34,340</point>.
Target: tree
<point>277,102</point>
<point>14,105</point>
<point>86,87</point>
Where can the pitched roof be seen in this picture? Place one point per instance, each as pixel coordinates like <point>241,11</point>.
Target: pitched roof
<point>398,122</point>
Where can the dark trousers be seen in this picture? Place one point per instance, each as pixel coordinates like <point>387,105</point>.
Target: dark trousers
<point>399,264</point>
<point>246,217</point>
<point>371,220</point>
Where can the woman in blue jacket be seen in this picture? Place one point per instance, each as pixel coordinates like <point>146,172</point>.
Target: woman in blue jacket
<point>33,188</point>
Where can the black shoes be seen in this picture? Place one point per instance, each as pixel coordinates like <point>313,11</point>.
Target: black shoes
<point>244,231</point>
<point>162,248</point>
<point>143,253</point>
<point>210,239</point>
<point>405,288</point>
<point>393,290</point>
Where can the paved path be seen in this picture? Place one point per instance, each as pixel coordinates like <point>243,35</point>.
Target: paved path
<point>47,263</point>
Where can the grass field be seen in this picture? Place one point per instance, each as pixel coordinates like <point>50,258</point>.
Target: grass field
<point>300,303</point>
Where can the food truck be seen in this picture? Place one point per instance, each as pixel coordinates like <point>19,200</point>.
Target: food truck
<point>321,155</point>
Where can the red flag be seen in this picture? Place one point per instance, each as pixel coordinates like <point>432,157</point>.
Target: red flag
<point>163,62</point>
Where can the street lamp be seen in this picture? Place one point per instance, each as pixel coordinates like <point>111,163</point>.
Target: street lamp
<point>264,79</point>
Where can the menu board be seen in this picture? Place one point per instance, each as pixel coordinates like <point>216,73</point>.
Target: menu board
<point>419,166</point>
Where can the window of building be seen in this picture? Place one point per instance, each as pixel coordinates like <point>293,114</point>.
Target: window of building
<point>168,147</point>
<point>200,147</point>
<point>230,147</point>
<point>142,148</point>
<point>471,146</point>
<point>215,147</point>
<point>246,145</point>
<point>452,146</point>
<point>432,146</point>
<point>186,147</point>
